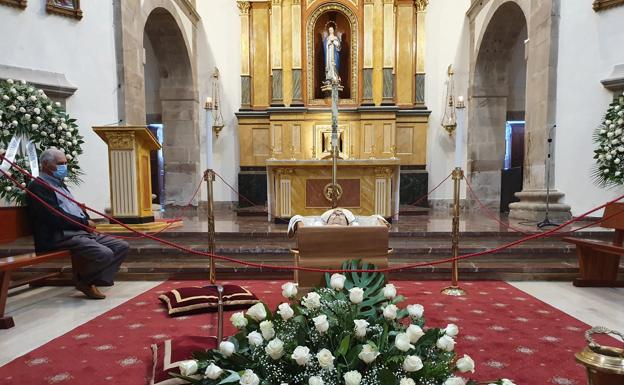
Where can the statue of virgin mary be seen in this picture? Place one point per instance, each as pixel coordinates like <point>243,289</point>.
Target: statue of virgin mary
<point>331,48</point>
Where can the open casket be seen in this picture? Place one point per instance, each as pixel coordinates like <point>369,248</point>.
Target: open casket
<point>327,247</point>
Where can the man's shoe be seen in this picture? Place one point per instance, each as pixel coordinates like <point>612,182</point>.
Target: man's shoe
<point>90,291</point>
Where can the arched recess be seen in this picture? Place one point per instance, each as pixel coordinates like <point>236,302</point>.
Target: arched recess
<point>171,100</point>
<point>498,96</point>
<point>316,18</point>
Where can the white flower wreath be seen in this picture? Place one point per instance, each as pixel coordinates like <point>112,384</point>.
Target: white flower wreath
<point>33,123</point>
<point>609,153</point>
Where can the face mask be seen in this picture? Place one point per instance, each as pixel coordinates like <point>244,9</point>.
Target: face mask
<point>61,172</point>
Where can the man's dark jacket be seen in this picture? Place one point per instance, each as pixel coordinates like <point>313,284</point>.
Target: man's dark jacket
<point>48,227</point>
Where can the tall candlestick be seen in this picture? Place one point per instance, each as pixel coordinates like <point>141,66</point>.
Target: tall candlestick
<point>208,139</point>
<point>459,136</point>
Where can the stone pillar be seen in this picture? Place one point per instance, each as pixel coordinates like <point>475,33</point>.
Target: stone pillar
<point>388,52</point>
<point>419,81</point>
<point>367,68</point>
<point>277,98</point>
<point>244,6</point>
<point>540,115</point>
<point>297,98</point>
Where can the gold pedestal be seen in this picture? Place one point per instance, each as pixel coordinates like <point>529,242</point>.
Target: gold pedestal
<point>454,289</point>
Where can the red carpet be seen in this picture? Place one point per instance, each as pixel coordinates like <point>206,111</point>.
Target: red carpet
<point>507,332</point>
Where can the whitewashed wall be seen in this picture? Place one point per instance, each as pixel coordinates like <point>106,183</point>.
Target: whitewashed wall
<point>590,44</point>
<point>84,51</point>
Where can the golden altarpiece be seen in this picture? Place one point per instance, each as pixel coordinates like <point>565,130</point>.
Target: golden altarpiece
<point>285,117</point>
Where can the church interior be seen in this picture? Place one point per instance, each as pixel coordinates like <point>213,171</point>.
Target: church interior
<point>312,192</point>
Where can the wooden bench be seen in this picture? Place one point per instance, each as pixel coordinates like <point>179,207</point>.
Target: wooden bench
<point>599,261</point>
<point>15,222</point>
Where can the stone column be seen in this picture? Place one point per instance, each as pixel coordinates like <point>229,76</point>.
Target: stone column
<point>244,6</point>
<point>405,18</point>
<point>277,98</point>
<point>297,98</point>
<point>388,52</point>
<point>367,68</point>
<point>421,8</point>
<point>540,116</point>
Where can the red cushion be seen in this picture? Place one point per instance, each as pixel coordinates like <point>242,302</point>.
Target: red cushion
<point>168,355</point>
<point>198,299</point>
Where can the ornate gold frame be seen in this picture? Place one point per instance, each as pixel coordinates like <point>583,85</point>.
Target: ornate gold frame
<point>599,5</point>
<point>14,3</point>
<point>353,20</point>
<point>76,13</point>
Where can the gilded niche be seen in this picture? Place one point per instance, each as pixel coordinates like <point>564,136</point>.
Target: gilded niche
<point>120,141</point>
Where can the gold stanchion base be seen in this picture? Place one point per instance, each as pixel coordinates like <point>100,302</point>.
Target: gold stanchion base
<point>454,291</point>
<point>143,227</point>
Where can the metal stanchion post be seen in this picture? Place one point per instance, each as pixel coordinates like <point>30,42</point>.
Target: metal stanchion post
<point>454,289</point>
<point>209,177</point>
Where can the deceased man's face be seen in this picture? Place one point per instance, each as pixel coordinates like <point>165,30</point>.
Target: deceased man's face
<point>337,218</point>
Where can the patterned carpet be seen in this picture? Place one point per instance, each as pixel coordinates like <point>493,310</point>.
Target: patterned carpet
<point>507,332</point>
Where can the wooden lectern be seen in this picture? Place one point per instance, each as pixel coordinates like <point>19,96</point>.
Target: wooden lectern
<point>130,177</point>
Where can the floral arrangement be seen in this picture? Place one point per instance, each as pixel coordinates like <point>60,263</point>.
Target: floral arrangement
<point>27,112</point>
<point>609,139</point>
<point>351,332</point>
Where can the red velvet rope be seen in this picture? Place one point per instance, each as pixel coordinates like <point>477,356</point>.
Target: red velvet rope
<point>290,268</point>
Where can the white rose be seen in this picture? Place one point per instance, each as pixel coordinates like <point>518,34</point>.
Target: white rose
<point>455,381</point>
<point>312,300</point>
<point>34,126</point>
<point>275,349</point>
<point>285,311</point>
<point>69,135</point>
<point>13,91</point>
<point>74,142</point>
<point>416,310</point>
<point>603,131</point>
<point>213,371</point>
<point>10,81</point>
<point>188,368</point>
<point>249,378</point>
<point>5,97</point>
<point>8,188</point>
<point>54,120</point>
<point>352,378</point>
<point>301,355</point>
<point>257,312</point>
<point>407,381</point>
<point>412,364</point>
<point>20,98</point>
<point>5,132</point>
<point>39,119</point>
<point>617,161</point>
<point>254,338</point>
<point>37,110</point>
<point>368,354</point>
<point>74,153</point>
<point>505,381</point>
<point>402,342</point>
<point>389,291</point>
<point>451,330</point>
<point>609,134</point>
<point>22,110</point>
<point>266,328</point>
<point>289,290</point>
<point>64,126</point>
<point>33,98</point>
<point>12,107</point>
<point>57,104</point>
<point>23,82</point>
<point>356,295</point>
<point>321,323</point>
<point>617,108</point>
<point>238,320</point>
<point>43,133</point>
<point>48,108</point>
<point>609,157</point>
<point>315,380</point>
<point>360,327</point>
<point>465,364</point>
<point>69,157</point>
<point>325,359</point>
<point>414,332</point>
<point>14,122</point>
<point>61,141</point>
<point>618,173</point>
<point>226,348</point>
<point>446,343</point>
<point>337,281</point>
<point>390,312</point>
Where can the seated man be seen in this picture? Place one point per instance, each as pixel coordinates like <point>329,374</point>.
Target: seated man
<point>95,257</point>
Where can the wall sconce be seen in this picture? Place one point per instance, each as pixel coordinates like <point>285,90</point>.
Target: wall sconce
<point>212,104</point>
<point>449,119</point>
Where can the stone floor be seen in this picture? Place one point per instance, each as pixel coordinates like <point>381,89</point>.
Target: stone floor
<point>45,313</point>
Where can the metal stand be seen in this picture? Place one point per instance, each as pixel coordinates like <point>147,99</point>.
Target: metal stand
<point>335,87</point>
<point>209,177</point>
<point>455,289</point>
<point>546,222</point>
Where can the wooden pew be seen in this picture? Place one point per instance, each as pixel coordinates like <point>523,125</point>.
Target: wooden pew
<point>599,261</point>
<point>10,263</point>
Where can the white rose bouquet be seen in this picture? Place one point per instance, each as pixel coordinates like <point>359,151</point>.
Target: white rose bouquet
<point>335,337</point>
<point>609,152</point>
<point>28,113</point>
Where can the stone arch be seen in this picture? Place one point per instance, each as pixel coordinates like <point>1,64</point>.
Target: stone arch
<point>494,88</point>
<point>174,102</point>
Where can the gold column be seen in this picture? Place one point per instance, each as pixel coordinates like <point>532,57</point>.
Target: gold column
<point>378,50</point>
<point>367,66</point>
<point>388,52</point>
<point>297,90</point>
<point>244,6</point>
<point>405,18</point>
<point>260,65</point>
<point>276,52</point>
<point>287,51</point>
<point>419,79</point>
